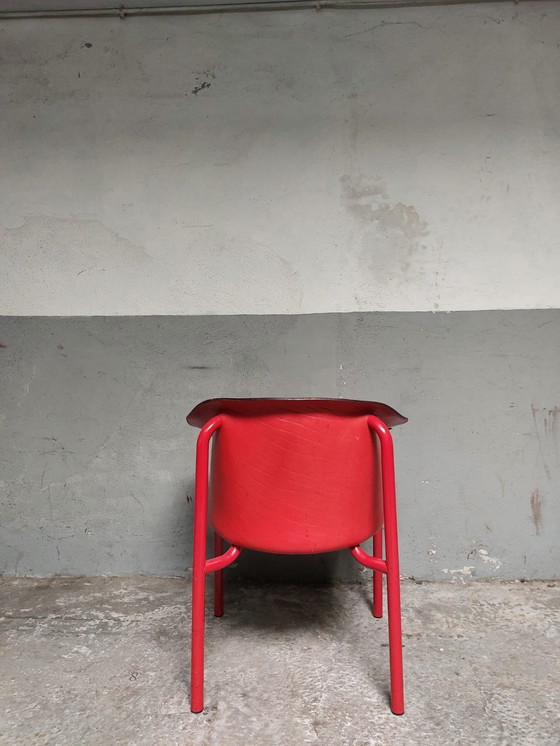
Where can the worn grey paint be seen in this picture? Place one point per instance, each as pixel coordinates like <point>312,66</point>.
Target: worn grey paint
<point>388,160</point>
<point>97,458</point>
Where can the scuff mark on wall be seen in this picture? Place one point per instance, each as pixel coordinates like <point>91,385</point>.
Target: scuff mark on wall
<point>481,553</point>
<point>548,416</point>
<point>392,239</point>
<point>461,573</point>
<point>487,559</point>
<point>341,381</point>
<point>370,203</point>
<point>535,411</point>
<point>402,218</point>
<point>359,196</point>
<point>27,384</point>
<point>536,509</point>
<point>502,484</point>
<point>551,421</point>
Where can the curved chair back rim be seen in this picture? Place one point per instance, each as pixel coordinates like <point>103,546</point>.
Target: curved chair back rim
<point>255,407</point>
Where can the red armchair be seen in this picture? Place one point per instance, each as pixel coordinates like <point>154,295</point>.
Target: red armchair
<point>295,476</point>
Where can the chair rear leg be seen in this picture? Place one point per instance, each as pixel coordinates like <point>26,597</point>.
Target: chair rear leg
<point>218,578</point>
<point>378,576</point>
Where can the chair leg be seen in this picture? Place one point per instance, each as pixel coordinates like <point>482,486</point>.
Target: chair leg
<point>392,562</point>
<point>393,581</point>
<point>378,576</point>
<point>197,639</point>
<point>199,563</point>
<point>395,632</point>
<point>218,578</point>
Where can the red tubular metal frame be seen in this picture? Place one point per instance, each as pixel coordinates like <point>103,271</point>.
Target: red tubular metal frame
<point>378,576</point>
<point>218,578</point>
<point>202,566</point>
<point>388,566</point>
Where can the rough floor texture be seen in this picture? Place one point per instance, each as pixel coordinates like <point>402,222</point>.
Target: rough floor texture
<point>105,661</point>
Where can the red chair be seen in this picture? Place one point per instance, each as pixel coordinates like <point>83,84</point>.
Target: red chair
<point>295,476</point>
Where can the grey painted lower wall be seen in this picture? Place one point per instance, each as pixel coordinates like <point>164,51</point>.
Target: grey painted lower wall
<point>97,458</point>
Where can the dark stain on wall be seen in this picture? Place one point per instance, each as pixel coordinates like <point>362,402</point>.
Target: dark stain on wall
<point>536,509</point>
<point>551,421</point>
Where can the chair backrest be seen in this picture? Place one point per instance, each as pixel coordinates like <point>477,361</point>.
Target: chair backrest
<point>294,475</point>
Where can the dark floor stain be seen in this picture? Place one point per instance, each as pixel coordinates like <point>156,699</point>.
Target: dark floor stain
<point>536,509</point>
<point>200,87</point>
<point>86,45</point>
<point>3,345</point>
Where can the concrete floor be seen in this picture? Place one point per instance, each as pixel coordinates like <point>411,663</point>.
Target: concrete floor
<point>105,661</point>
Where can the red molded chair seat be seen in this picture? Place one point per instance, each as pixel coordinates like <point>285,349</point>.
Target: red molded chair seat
<point>295,476</point>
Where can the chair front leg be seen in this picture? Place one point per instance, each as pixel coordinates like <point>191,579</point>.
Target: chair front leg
<point>392,561</point>
<point>389,566</point>
<point>199,563</point>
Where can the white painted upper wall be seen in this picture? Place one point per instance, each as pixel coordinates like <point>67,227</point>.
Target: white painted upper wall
<point>282,163</point>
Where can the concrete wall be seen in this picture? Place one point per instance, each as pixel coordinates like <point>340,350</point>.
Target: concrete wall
<point>193,170</point>
<point>99,459</point>
<point>282,163</point>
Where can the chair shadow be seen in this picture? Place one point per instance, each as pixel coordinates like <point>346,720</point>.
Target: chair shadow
<point>259,596</point>
<point>282,592</point>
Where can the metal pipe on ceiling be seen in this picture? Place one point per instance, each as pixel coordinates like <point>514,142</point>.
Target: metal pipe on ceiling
<point>243,7</point>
